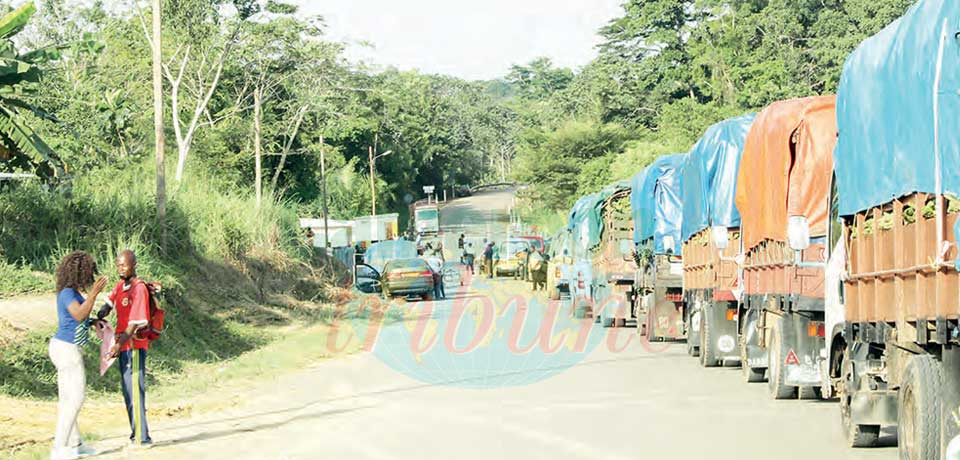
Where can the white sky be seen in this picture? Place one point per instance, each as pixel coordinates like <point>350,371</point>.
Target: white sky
<point>472,39</point>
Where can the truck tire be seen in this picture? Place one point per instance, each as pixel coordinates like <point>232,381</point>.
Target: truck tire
<point>692,348</point>
<point>856,435</point>
<point>750,374</point>
<point>809,393</point>
<point>777,373</point>
<point>708,349</point>
<point>919,401</point>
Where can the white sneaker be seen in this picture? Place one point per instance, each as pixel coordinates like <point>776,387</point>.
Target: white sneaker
<point>64,453</point>
<point>84,450</point>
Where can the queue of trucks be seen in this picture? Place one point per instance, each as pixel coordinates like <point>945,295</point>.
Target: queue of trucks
<point>813,243</point>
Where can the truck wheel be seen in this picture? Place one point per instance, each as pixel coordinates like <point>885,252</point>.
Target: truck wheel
<point>708,352</point>
<point>692,348</point>
<point>857,435</point>
<point>775,356</point>
<point>750,374</point>
<point>919,401</point>
<point>809,393</point>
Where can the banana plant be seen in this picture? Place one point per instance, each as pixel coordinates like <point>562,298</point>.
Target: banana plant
<point>20,146</point>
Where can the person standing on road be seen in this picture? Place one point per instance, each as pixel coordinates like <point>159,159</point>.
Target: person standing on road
<point>488,259</point>
<point>468,257</point>
<point>132,301</point>
<point>74,274</point>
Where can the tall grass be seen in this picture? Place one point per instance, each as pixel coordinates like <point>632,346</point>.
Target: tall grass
<point>226,268</point>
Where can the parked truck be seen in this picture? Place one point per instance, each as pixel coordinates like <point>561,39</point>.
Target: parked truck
<point>589,289</point>
<point>426,218</point>
<point>782,195</point>
<point>613,261</point>
<point>711,241</point>
<point>895,359</point>
<point>656,207</point>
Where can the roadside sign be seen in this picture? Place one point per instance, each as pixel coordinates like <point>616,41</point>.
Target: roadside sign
<point>428,189</point>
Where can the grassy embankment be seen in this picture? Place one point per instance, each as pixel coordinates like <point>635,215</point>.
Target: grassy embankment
<point>236,280</point>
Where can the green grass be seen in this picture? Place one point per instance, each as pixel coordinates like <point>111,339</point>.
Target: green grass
<point>231,272</point>
<point>18,280</point>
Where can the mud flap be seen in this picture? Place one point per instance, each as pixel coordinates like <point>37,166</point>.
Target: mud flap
<point>802,363</point>
<point>723,332</point>
<point>755,354</point>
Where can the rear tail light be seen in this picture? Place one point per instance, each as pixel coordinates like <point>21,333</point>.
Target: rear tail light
<point>816,329</point>
<point>426,273</point>
<point>674,297</point>
<point>580,284</point>
<point>731,315</point>
<point>556,272</point>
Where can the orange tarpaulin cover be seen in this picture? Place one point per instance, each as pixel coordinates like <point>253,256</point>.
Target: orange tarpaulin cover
<point>786,167</point>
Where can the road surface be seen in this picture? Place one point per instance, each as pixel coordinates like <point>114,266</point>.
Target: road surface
<point>644,401</point>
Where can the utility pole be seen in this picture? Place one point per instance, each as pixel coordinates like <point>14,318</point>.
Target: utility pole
<point>323,179</point>
<point>373,187</point>
<point>158,125</point>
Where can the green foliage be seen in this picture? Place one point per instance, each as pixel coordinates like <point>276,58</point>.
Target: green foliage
<point>16,280</point>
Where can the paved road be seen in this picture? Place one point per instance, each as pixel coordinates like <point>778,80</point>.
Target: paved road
<point>641,401</point>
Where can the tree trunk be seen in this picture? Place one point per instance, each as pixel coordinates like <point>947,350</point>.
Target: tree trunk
<point>158,125</point>
<point>286,147</point>
<point>258,182</point>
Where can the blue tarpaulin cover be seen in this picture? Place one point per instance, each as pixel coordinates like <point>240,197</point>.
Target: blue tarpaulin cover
<point>586,217</point>
<point>669,210</point>
<point>647,197</point>
<point>378,254</point>
<point>710,176</point>
<point>892,109</point>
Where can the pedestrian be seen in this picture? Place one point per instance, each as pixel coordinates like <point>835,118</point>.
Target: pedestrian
<point>131,300</point>
<point>74,274</point>
<point>468,257</point>
<point>436,265</point>
<point>460,242</point>
<point>488,259</point>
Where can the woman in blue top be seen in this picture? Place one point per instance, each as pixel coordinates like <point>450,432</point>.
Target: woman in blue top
<point>74,274</point>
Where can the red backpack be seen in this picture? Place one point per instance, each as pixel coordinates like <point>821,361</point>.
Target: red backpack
<point>154,328</point>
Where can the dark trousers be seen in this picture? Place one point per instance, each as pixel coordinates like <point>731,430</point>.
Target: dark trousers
<point>133,383</point>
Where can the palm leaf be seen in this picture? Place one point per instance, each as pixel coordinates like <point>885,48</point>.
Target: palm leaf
<point>14,21</point>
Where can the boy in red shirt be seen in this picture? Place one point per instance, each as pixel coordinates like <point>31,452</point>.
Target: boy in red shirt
<point>132,302</point>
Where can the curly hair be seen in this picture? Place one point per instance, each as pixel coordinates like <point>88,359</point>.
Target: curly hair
<point>76,271</point>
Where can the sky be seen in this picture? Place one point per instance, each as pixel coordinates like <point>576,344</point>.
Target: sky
<point>470,39</point>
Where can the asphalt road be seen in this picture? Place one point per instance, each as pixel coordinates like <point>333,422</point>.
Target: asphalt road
<point>646,401</point>
<point>611,396</point>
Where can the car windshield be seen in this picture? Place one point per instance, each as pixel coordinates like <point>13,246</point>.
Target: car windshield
<point>512,247</point>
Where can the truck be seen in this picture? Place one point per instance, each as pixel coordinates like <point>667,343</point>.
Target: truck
<point>783,198</point>
<point>426,218</point>
<point>589,292</point>
<point>894,348</point>
<point>656,209</point>
<point>612,260</point>
<point>710,232</point>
